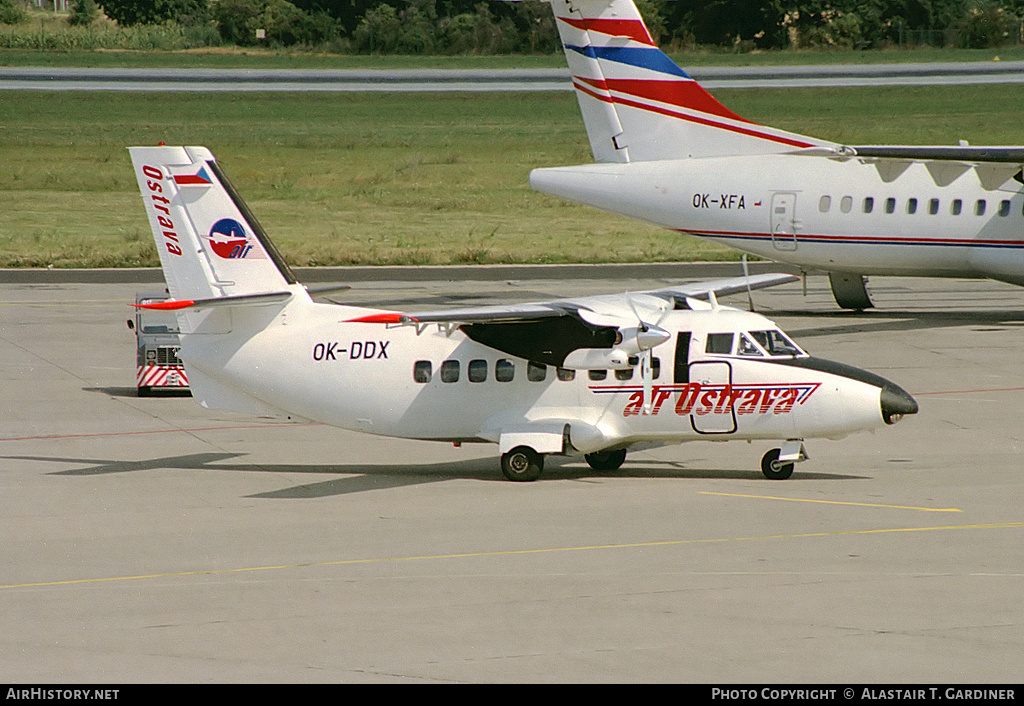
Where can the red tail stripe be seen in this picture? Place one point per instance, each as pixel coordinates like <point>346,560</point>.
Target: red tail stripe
<point>684,94</point>
<point>634,29</point>
<point>693,119</point>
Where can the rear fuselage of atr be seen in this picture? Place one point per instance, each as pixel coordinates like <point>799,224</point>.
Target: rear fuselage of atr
<point>829,213</point>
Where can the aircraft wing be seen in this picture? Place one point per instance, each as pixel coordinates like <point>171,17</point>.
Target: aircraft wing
<point>958,153</point>
<point>547,332</point>
<point>994,165</point>
<point>610,305</point>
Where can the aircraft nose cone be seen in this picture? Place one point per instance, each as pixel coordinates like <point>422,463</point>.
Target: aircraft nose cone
<point>896,403</point>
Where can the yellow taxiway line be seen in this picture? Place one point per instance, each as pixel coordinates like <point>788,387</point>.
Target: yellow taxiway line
<point>514,552</point>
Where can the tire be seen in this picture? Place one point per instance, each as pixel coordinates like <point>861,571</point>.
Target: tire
<point>606,460</point>
<point>522,464</point>
<point>772,469</point>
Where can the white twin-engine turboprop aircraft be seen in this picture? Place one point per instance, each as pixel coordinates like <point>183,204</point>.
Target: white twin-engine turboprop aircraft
<point>670,154</point>
<point>593,376</point>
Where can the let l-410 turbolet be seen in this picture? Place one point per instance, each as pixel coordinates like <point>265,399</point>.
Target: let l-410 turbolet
<point>669,153</point>
<point>592,376</point>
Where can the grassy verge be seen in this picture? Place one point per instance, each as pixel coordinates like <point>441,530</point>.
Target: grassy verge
<point>233,57</point>
<point>394,178</point>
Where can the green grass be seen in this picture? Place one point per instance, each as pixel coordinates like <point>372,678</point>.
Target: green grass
<point>394,178</point>
<point>225,58</point>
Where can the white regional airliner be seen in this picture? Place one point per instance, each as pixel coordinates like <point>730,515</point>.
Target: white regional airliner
<point>592,376</point>
<point>670,154</point>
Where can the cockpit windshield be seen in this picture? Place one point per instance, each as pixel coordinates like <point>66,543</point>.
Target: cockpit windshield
<point>776,343</point>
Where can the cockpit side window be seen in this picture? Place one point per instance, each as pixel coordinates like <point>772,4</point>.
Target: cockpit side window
<point>776,343</point>
<point>746,347</point>
<point>720,343</point>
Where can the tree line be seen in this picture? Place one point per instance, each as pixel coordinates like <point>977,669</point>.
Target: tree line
<point>527,26</point>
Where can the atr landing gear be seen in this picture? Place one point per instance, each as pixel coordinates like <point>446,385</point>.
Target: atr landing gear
<point>606,460</point>
<point>850,291</point>
<point>522,464</point>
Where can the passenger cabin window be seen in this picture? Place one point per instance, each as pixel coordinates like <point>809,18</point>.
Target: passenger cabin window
<point>933,206</point>
<point>450,371</point>
<point>597,374</point>
<point>979,207</point>
<point>824,204</point>
<point>422,370</point>
<point>536,372</point>
<point>890,205</point>
<point>565,374</point>
<point>477,370</point>
<point>1004,208</point>
<point>956,207</point>
<point>911,206</point>
<point>625,374</point>
<point>869,204</point>
<point>846,205</point>
<point>720,343</point>
<point>504,370</point>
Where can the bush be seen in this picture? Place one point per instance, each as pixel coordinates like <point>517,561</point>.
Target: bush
<point>83,13</point>
<point>284,23</point>
<point>128,13</point>
<point>11,12</point>
<point>986,24</point>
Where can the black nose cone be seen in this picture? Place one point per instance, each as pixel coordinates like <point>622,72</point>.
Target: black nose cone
<point>896,403</point>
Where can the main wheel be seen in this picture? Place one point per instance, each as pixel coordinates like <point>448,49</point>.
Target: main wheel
<point>606,460</point>
<point>773,469</point>
<point>522,464</point>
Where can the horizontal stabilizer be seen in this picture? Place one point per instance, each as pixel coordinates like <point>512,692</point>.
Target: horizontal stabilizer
<point>240,300</point>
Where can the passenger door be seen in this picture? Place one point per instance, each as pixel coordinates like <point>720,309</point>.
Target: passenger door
<point>783,221</point>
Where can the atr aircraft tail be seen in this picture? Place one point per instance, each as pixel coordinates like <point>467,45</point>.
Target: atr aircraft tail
<point>638,105</point>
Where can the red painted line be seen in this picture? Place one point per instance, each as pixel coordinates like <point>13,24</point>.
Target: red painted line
<point>161,431</point>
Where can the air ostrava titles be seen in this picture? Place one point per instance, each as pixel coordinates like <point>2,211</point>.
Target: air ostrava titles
<point>160,204</point>
<point>700,399</point>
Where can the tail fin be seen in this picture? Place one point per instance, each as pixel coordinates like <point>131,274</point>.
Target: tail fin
<point>210,245</point>
<point>638,105</point>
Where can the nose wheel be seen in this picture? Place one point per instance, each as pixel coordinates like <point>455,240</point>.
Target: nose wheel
<point>773,469</point>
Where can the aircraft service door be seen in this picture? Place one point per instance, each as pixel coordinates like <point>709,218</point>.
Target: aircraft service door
<point>783,223</point>
<point>709,415</point>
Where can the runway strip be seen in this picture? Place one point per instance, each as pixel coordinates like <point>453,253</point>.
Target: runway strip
<point>461,80</point>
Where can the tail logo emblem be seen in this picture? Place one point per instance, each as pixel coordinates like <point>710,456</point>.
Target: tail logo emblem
<point>228,239</point>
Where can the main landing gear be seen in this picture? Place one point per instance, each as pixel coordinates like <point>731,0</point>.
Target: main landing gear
<point>524,464</point>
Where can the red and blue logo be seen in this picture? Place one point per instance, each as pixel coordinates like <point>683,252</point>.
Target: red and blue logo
<point>229,240</point>
<point>202,178</point>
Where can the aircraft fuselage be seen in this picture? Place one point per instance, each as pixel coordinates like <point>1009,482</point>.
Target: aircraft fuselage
<point>882,217</point>
<point>393,381</point>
